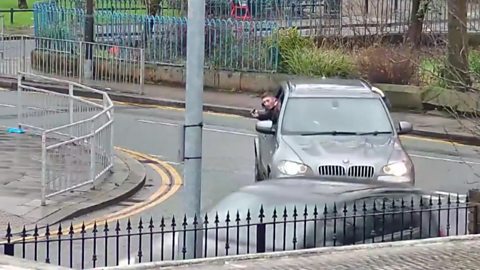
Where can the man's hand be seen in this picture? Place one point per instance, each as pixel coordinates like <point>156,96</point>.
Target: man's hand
<point>254,113</point>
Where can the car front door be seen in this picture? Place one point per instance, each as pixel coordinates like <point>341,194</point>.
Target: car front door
<point>269,142</point>
<point>270,148</point>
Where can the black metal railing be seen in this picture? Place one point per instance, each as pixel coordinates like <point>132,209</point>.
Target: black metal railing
<point>229,233</point>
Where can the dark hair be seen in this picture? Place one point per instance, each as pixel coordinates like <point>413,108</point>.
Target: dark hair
<point>266,94</point>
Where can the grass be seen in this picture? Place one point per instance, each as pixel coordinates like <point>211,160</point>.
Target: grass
<point>23,20</point>
<point>20,19</point>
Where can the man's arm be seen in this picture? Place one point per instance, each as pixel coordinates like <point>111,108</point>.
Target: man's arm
<point>264,115</point>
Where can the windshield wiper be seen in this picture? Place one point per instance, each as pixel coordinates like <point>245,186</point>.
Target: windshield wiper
<point>329,133</point>
<point>375,133</point>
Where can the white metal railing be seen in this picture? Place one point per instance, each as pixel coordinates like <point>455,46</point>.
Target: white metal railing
<point>2,33</point>
<point>111,66</point>
<point>77,134</point>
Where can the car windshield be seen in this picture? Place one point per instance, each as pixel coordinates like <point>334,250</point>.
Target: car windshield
<point>335,116</point>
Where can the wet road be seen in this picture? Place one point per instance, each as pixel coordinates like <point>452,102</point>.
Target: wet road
<point>228,161</point>
<point>227,166</point>
<point>228,151</point>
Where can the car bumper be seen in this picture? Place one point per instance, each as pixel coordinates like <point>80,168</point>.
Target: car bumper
<point>384,178</point>
<point>397,179</point>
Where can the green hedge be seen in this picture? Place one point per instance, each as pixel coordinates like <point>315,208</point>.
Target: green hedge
<point>392,65</point>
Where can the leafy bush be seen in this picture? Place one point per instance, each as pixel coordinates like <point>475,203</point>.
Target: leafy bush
<point>319,62</point>
<point>431,71</point>
<point>387,65</point>
<point>299,55</point>
<point>474,61</point>
<point>290,42</point>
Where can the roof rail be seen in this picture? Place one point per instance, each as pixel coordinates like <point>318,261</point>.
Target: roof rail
<point>372,88</point>
<point>290,86</point>
<point>366,83</point>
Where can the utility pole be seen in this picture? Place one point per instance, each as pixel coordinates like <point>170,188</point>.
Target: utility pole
<point>194,121</point>
<point>89,39</point>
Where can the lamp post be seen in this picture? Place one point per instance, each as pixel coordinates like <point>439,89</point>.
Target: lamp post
<point>194,120</point>
<point>89,39</point>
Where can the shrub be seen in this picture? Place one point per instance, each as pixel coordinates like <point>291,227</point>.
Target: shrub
<point>431,71</point>
<point>290,42</point>
<point>386,65</point>
<point>319,62</point>
<point>474,61</point>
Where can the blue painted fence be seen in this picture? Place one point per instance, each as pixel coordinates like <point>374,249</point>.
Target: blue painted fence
<point>229,44</point>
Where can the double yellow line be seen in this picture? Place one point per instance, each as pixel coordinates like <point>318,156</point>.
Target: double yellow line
<point>171,183</point>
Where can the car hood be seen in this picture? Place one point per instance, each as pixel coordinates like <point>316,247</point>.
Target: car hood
<point>331,150</point>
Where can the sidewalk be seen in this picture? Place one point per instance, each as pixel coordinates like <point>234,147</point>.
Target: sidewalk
<point>438,253</point>
<point>20,176</point>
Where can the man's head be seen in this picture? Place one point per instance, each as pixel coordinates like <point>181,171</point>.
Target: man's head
<point>269,101</point>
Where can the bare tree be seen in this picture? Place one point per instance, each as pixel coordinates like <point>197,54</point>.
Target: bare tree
<point>152,6</point>
<point>457,73</point>
<point>419,10</point>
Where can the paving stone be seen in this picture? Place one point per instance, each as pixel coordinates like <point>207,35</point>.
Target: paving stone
<point>442,255</point>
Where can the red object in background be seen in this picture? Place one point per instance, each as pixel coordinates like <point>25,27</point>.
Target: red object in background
<point>114,50</point>
<point>236,6</point>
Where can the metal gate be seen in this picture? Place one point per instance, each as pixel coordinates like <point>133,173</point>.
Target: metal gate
<point>14,54</point>
<point>110,66</point>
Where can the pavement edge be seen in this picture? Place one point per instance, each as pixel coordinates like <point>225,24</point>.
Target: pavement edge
<point>119,96</point>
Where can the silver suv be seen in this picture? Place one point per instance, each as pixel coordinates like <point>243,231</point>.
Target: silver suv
<point>333,127</point>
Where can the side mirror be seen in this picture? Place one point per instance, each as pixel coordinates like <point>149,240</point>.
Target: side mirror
<point>265,127</point>
<point>404,127</point>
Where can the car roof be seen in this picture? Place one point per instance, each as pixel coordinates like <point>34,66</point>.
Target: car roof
<point>330,87</point>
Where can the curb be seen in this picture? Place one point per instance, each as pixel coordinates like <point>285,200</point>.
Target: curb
<point>456,138</point>
<point>133,182</point>
<point>18,263</point>
<point>118,96</point>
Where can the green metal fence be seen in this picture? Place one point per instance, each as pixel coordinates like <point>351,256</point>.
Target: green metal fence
<point>229,44</point>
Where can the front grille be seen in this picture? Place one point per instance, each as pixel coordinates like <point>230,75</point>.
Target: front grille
<point>361,171</point>
<point>331,170</point>
<point>355,171</point>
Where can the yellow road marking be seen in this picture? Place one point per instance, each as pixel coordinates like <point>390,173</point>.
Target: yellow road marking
<point>166,190</point>
<point>171,108</point>
<point>432,140</point>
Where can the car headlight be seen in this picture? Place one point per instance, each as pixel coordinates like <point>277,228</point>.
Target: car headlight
<point>396,169</point>
<point>292,168</point>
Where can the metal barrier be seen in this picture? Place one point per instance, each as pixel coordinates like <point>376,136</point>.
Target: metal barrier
<point>77,134</point>
<point>111,65</point>
<point>16,56</point>
<point>330,17</point>
<point>229,44</point>
<point>372,219</point>
<point>2,32</point>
